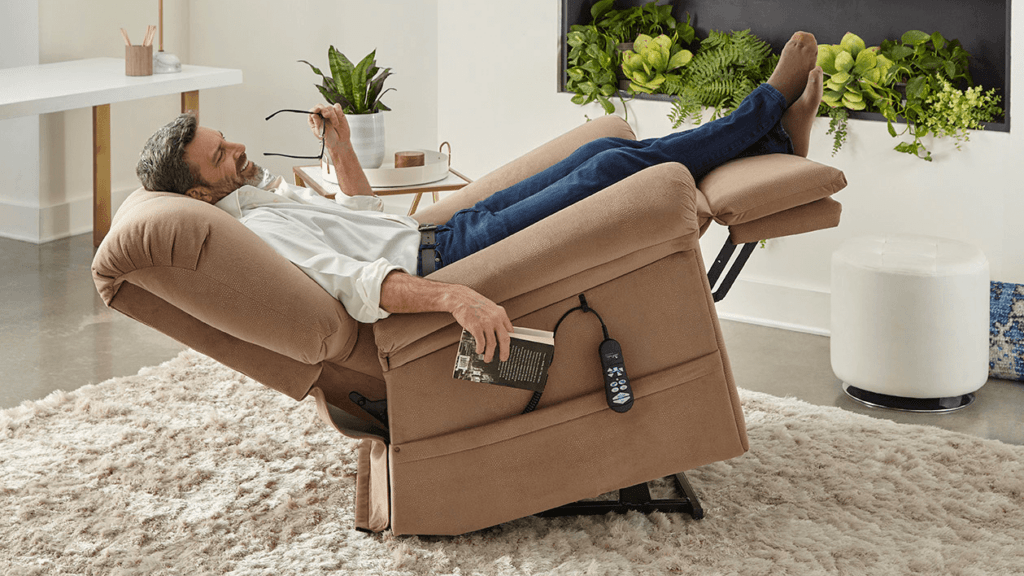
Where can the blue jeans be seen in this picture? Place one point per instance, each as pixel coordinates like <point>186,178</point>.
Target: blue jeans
<point>752,129</point>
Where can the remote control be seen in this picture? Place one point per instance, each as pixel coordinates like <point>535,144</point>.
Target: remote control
<point>616,384</point>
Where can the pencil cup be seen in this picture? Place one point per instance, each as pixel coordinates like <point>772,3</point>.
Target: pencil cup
<point>138,60</point>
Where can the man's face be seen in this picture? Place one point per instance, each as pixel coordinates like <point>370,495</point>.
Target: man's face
<point>222,166</point>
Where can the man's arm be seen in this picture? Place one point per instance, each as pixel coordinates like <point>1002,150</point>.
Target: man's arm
<point>485,320</point>
<point>337,135</point>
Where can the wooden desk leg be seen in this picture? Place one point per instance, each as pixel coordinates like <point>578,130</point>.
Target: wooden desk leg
<point>299,181</point>
<point>190,102</point>
<point>100,172</point>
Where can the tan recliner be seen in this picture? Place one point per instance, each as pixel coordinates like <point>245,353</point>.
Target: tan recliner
<point>448,456</point>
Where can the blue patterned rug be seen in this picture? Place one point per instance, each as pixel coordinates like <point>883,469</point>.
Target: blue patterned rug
<point>1006,333</point>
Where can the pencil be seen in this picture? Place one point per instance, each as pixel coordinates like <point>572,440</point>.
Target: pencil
<point>124,34</point>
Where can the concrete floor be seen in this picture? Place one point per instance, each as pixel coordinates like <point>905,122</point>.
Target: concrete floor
<point>57,334</point>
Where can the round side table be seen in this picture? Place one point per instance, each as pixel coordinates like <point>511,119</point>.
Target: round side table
<point>910,321</point>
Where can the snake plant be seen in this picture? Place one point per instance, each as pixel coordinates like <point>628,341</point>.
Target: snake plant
<point>357,87</point>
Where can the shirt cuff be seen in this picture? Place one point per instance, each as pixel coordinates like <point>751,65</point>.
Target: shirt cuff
<point>373,203</point>
<point>368,287</point>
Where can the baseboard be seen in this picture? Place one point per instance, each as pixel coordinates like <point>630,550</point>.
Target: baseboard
<point>19,222</point>
<point>42,225</point>
<point>760,302</point>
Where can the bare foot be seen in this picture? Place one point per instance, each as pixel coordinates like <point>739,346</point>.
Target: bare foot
<point>798,58</point>
<point>797,120</point>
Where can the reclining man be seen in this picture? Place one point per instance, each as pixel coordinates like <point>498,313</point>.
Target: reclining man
<point>370,260</point>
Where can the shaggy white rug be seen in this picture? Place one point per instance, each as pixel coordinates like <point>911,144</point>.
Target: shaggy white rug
<point>190,468</point>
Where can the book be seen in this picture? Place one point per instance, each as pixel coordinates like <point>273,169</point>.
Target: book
<point>530,355</point>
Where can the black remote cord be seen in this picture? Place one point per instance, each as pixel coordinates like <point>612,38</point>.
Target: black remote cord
<point>617,390</point>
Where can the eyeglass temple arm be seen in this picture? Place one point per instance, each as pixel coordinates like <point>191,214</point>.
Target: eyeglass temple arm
<point>323,142</point>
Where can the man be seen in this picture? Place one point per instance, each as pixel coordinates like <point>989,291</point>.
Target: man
<point>371,261</point>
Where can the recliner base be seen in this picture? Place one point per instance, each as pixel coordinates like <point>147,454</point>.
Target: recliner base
<point>636,498</point>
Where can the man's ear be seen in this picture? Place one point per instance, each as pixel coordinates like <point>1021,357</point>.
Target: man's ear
<point>200,193</point>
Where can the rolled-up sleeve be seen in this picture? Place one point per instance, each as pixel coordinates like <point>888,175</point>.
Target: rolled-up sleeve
<point>360,202</point>
<point>356,284</point>
<point>373,203</point>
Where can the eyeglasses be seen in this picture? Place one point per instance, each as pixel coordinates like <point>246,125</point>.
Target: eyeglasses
<point>323,141</point>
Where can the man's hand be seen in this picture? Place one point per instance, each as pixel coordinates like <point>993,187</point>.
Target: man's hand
<point>332,127</point>
<point>485,320</point>
<point>334,130</point>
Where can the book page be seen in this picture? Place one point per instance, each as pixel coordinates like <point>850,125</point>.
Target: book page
<point>542,336</point>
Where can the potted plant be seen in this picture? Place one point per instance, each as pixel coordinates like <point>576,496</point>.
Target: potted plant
<point>653,61</point>
<point>358,88</point>
<point>595,49</point>
<point>856,81</point>
<point>914,79</point>
<point>933,70</point>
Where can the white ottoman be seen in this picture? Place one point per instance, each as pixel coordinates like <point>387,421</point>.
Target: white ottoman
<point>910,321</point>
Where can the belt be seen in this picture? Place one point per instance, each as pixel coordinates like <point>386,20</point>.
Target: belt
<point>428,258</point>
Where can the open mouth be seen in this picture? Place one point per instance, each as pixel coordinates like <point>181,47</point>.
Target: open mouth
<point>243,163</point>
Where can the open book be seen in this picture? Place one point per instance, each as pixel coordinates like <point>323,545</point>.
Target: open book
<point>530,356</point>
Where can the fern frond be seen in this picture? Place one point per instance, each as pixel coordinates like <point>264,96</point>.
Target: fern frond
<point>673,85</point>
<point>724,71</point>
<point>684,109</point>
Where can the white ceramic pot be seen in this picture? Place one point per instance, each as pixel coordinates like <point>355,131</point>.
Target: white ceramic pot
<point>367,136</point>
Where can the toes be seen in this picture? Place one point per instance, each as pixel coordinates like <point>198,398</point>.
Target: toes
<point>804,37</point>
<point>816,77</point>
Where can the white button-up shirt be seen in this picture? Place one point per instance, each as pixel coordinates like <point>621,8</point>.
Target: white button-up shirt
<point>347,245</point>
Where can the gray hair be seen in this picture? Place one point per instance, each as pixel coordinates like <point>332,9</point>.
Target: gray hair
<point>162,165</point>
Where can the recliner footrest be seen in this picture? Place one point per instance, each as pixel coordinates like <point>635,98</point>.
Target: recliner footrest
<point>817,215</point>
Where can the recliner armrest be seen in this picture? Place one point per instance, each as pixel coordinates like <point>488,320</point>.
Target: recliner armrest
<point>632,219</point>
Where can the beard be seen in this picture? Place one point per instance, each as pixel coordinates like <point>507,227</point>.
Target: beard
<point>258,176</point>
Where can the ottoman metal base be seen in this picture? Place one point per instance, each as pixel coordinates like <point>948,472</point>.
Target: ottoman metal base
<point>928,405</point>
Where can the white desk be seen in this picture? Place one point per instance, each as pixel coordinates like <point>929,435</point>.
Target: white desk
<point>100,82</point>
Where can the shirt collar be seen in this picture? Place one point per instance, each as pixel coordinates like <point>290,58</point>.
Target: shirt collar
<point>245,198</point>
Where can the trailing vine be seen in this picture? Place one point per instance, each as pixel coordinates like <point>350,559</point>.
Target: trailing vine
<point>838,118</point>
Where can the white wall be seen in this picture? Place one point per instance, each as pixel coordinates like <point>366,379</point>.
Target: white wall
<point>263,38</point>
<point>498,99</point>
<point>19,137</point>
<point>77,30</point>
